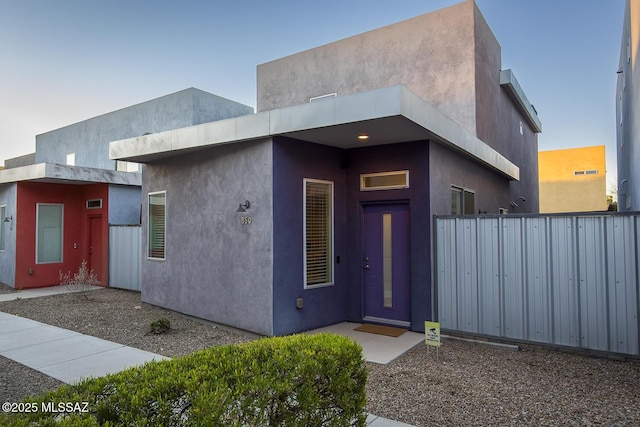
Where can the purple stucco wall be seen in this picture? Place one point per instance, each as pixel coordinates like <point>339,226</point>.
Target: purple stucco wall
<point>295,160</point>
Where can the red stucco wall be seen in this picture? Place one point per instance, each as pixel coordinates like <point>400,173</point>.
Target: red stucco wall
<point>75,230</point>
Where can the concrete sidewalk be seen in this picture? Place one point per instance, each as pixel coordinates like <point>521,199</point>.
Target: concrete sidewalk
<point>65,355</point>
<point>45,292</point>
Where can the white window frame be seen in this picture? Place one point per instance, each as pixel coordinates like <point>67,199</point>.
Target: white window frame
<point>154,193</point>
<point>332,231</point>
<point>364,176</point>
<point>61,232</point>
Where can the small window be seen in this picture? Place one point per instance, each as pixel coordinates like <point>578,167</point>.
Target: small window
<point>587,172</point>
<point>157,225</point>
<point>49,233</point>
<point>3,215</point>
<point>384,181</point>
<point>123,166</point>
<point>318,232</point>
<point>71,159</point>
<point>94,204</point>
<point>463,201</point>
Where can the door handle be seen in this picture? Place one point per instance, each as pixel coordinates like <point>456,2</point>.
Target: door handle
<point>366,266</point>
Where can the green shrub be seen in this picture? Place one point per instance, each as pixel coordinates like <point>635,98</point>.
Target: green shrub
<point>300,380</point>
<point>160,326</point>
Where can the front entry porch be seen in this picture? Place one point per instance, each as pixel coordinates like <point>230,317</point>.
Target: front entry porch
<point>375,348</point>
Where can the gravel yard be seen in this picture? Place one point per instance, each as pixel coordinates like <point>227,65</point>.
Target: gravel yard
<point>468,385</point>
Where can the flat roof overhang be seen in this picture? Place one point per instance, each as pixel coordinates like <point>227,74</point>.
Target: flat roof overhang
<point>388,115</point>
<point>65,174</point>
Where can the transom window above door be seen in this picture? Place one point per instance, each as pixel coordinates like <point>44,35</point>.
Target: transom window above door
<point>384,180</point>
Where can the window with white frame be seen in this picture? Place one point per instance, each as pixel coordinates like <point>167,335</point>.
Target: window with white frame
<point>3,224</point>
<point>157,225</point>
<point>49,232</point>
<point>463,201</point>
<point>318,232</point>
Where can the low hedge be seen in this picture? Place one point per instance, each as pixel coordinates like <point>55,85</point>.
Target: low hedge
<point>300,380</point>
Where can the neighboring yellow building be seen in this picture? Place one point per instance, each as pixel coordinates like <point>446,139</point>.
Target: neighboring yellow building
<point>573,180</point>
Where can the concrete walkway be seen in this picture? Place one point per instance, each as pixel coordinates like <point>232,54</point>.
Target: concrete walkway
<point>45,292</point>
<point>71,356</point>
<point>65,355</point>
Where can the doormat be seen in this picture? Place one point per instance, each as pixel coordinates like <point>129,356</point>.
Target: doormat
<point>389,331</point>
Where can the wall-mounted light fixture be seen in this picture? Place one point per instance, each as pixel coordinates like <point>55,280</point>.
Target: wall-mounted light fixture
<point>243,206</point>
<point>8,219</point>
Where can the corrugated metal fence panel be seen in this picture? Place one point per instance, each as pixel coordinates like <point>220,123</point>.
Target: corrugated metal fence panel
<point>125,256</point>
<point>512,278</point>
<point>560,280</point>
<point>466,239</point>
<point>446,268</point>
<point>489,276</point>
<point>622,254</point>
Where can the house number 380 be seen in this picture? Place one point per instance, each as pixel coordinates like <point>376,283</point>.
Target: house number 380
<point>245,220</point>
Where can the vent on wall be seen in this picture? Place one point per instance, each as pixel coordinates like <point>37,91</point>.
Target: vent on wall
<point>321,97</point>
<point>94,204</point>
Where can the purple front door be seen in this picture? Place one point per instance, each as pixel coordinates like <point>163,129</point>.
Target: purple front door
<point>386,264</point>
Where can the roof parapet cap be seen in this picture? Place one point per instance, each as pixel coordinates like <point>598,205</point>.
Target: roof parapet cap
<point>510,83</point>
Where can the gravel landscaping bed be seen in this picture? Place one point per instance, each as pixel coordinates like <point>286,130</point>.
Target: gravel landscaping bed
<point>468,384</point>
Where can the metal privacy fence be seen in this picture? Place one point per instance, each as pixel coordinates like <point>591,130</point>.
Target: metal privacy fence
<point>551,279</point>
<point>125,256</point>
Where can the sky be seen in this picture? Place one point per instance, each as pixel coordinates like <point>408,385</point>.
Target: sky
<point>65,61</point>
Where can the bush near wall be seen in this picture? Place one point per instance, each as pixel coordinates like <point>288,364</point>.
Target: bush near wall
<point>300,380</point>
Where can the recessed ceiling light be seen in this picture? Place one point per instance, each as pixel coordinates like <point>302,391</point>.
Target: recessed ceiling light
<point>363,137</point>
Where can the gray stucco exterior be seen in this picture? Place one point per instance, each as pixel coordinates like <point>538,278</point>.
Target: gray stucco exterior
<point>452,60</point>
<point>216,267</point>
<point>89,139</point>
<point>125,203</point>
<point>434,103</point>
<point>436,63</point>
<point>628,110</point>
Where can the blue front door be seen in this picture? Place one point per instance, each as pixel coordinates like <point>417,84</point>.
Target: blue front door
<point>386,264</point>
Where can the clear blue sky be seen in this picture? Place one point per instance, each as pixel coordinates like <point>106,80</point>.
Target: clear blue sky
<point>68,60</point>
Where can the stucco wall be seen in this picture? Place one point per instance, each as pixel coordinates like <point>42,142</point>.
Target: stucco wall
<point>628,110</point>
<point>124,204</point>
<point>30,274</point>
<point>448,169</point>
<point>89,139</point>
<point>8,197</point>
<point>216,268</point>
<point>499,121</point>
<point>293,161</point>
<point>432,54</point>
<point>561,190</point>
